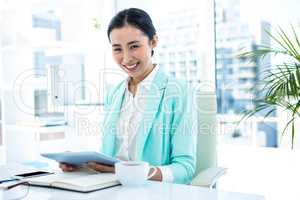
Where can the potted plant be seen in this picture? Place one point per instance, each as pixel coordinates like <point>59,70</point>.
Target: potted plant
<point>280,85</point>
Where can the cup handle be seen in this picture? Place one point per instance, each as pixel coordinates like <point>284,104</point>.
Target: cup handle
<point>153,173</point>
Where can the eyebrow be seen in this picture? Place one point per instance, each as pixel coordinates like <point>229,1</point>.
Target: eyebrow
<point>129,43</point>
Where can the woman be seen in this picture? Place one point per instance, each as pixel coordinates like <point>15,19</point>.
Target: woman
<point>149,114</point>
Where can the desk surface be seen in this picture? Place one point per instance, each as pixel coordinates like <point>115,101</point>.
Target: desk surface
<point>152,190</point>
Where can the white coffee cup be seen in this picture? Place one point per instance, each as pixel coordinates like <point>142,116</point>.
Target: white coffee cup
<point>133,173</point>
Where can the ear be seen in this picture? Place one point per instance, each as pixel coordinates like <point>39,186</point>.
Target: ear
<point>154,41</point>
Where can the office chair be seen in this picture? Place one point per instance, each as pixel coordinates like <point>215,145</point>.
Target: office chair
<point>207,172</point>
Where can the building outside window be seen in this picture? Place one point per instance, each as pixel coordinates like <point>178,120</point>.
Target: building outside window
<point>246,148</point>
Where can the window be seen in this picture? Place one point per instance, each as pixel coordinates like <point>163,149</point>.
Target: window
<point>184,36</point>
<point>248,146</point>
<point>59,49</point>
<point>236,24</point>
<point>227,47</point>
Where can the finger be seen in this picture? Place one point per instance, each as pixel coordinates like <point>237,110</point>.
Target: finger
<point>66,167</point>
<point>100,167</point>
<point>62,166</point>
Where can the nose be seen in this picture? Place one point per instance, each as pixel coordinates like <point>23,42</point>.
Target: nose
<point>126,59</point>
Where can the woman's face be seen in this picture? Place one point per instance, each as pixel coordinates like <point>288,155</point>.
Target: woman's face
<point>131,49</point>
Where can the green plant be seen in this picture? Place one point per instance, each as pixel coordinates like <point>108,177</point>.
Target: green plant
<point>280,85</point>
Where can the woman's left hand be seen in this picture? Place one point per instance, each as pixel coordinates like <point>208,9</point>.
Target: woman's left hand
<point>100,167</point>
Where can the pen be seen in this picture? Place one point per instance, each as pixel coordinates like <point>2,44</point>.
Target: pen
<point>14,185</point>
<point>8,180</point>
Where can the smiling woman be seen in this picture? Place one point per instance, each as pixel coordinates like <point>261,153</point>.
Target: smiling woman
<point>133,38</point>
<point>149,115</point>
<point>131,49</point>
<point>133,43</point>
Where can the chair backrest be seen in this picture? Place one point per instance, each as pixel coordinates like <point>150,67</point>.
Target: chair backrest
<point>207,130</point>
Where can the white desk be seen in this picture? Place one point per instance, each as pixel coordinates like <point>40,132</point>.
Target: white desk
<point>152,191</point>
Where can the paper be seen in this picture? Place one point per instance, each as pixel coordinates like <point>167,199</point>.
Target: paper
<point>76,181</point>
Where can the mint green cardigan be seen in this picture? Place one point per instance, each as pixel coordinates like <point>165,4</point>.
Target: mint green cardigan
<point>167,133</point>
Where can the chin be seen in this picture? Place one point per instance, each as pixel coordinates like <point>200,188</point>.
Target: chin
<point>133,74</point>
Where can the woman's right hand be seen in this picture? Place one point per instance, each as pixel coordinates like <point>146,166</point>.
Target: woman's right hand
<point>67,167</point>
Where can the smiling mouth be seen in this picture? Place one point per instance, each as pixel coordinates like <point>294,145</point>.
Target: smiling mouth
<point>131,68</point>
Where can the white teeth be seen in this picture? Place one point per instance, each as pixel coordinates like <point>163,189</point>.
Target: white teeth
<point>131,66</point>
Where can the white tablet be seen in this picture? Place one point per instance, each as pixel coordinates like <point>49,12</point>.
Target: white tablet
<point>80,158</point>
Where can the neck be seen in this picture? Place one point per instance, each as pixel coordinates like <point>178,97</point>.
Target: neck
<point>135,81</point>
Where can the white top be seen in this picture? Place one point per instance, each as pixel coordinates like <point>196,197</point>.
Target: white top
<point>130,118</point>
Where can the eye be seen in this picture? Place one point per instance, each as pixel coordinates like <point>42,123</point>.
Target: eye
<point>117,50</point>
<point>134,46</point>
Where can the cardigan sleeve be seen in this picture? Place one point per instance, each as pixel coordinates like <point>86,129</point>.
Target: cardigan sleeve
<point>183,136</point>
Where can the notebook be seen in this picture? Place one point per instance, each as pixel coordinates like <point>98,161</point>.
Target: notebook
<point>75,181</point>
